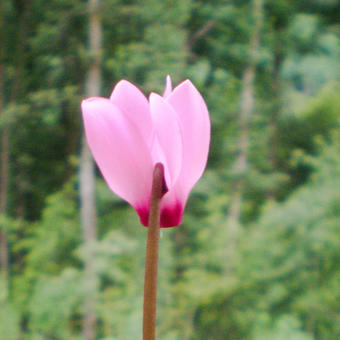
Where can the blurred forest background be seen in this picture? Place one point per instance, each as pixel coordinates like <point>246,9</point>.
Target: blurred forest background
<point>258,254</point>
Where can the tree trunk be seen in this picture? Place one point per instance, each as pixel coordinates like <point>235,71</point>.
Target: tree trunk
<point>18,88</point>
<point>4,162</point>
<point>275,112</point>
<point>87,178</point>
<point>3,195</point>
<point>246,110</point>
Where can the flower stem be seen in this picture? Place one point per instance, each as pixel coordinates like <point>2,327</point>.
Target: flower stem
<point>151,258</point>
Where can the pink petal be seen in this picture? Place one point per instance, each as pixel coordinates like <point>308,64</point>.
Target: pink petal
<point>168,136</point>
<point>168,87</point>
<point>132,102</point>
<point>195,123</point>
<point>119,150</point>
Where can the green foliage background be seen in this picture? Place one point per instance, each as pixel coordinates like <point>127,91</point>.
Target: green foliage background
<point>282,279</point>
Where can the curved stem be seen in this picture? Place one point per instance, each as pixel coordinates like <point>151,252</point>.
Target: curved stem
<point>151,258</point>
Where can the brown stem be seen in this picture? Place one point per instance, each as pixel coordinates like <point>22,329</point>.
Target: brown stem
<point>151,257</point>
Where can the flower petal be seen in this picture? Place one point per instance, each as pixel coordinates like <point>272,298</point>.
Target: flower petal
<point>168,136</point>
<point>168,87</point>
<point>194,119</point>
<point>132,102</point>
<point>119,150</point>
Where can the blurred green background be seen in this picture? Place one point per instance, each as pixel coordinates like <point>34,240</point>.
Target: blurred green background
<point>258,253</point>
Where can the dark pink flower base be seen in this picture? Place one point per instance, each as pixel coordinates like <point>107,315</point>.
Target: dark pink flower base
<point>170,216</point>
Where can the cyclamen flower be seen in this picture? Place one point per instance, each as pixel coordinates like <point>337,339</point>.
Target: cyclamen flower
<point>128,134</point>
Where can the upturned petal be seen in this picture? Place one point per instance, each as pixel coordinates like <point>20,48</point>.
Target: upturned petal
<point>132,102</point>
<point>120,151</point>
<point>168,87</point>
<point>193,115</point>
<point>169,138</point>
<point>195,123</point>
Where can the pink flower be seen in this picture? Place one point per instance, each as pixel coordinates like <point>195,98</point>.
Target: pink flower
<point>129,134</point>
